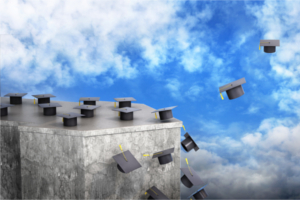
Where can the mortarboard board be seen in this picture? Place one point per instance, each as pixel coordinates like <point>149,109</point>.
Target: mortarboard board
<point>124,101</point>
<point>233,89</point>
<point>4,107</point>
<point>269,45</point>
<point>128,163</point>
<point>200,193</point>
<point>165,113</point>
<point>49,108</point>
<point>188,143</point>
<point>89,100</point>
<point>190,178</point>
<point>164,157</point>
<point>70,119</point>
<point>87,110</point>
<point>126,113</point>
<point>43,98</point>
<point>156,193</point>
<point>15,98</point>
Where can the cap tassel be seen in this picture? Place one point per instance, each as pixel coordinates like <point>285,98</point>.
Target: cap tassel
<point>183,128</point>
<point>222,96</point>
<point>119,114</point>
<point>115,105</point>
<point>79,102</point>
<point>33,101</point>
<point>155,116</point>
<point>188,165</point>
<point>259,47</point>
<point>123,152</point>
<point>145,193</point>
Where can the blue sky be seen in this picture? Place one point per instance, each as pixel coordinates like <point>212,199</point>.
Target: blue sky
<point>167,53</point>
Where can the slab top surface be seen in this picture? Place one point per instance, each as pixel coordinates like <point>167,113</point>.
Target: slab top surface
<point>31,115</point>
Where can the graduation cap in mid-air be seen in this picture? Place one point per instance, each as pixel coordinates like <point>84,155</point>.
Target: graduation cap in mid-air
<point>126,162</point>
<point>164,157</point>
<point>165,113</point>
<point>156,193</point>
<point>233,89</point>
<point>87,110</point>
<point>15,98</point>
<point>269,45</point>
<point>190,177</point>
<point>70,119</point>
<point>4,107</point>
<point>124,101</point>
<point>200,193</point>
<point>188,143</point>
<point>89,100</point>
<point>43,98</point>
<point>126,113</point>
<point>49,108</point>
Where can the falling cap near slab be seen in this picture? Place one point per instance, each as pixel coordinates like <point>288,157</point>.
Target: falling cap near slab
<point>164,157</point>
<point>87,107</point>
<point>190,178</point>
<point>165,113</point>
<point>49,105</point>
<point>126,166</point>
<point>269,45</point>
<point>156,193</point>
<point>233,89</point>
<point>188,143</point>
<point>200,193</point>
<point>41,96</point>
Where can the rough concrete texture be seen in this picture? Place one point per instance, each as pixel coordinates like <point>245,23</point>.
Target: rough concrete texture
<point>58,163</point>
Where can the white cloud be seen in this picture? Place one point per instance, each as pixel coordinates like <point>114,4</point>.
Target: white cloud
<point>173,85</point>
<point>193,92</point>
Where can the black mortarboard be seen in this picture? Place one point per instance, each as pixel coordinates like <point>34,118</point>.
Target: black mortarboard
<point>43,98</point>
<point>49,108</point>
<point>89,100</point>
<point>126,165</point>
<point>165,113</point>
<point>233,89</point>
<point>4,107</point>
<point>200,193</point>
<point>87,110</point>
<point>156,193</point>
<point>165,156</point>
<point>126,113</point>
<point>15,98</point>
<point>188,143</point>
<point>190,177</point>
<point>269,45</point>
<point>124,101</point>
<point>70,119</point>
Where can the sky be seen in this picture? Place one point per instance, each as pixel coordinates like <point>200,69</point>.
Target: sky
<point>168,53</point>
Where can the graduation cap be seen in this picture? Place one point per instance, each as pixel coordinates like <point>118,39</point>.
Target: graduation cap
<point>49,108</point>
<point>43,98</point>
<point>126,113</point>
<point>15,98</point>
<point>190,177</point>
<point>89,100</point>
<point>165,113</point>
<point>200,193</point>
<point>233,89</point>
<point>269,45</point>
<point>156,193</point>
<point>124,101</point>
<point>126,162</point>
<point>4,107</point>
<point>87,110</point>
<point>164,157</point>
<point>188,143</point>
<point>70,119</point>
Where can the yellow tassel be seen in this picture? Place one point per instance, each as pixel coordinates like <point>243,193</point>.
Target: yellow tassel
<point>259,47</point>
<point>221,96</point>
<point>145,193</point>
<point>115,105</point>
<point>79,102</point>
<point>33,101</point>
<point>155,116</point>
<point>183,127</point>
<point>119,114</point>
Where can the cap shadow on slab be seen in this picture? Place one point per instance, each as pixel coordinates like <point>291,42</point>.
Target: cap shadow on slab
<point>190,178</point>
<point>126,166</point>
<point>164,157</point>
<point>156,193</point>
<point>188,143</point>
<point>234,89</point>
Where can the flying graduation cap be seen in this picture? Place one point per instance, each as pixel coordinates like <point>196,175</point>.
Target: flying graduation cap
<point>188,143</point>
<point>124,101</point>
<point>126,113</point>
<point>164,157</point>
<point>89,100</point>
<point>4,107</point>
<point>49,108</point>
<point>165,113</point>
<point>43,98</point>
<point>269,45</point>
<point>156,193</point>
<point>70,119</point>
<point>126,162</point>
<point>190,177</point>
<point>15,98</point>
<point>233,89</point>
<point>87,110</point>
<point>200,193</point>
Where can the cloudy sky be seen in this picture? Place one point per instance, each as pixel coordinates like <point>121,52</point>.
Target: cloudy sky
<point>167,53</point>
